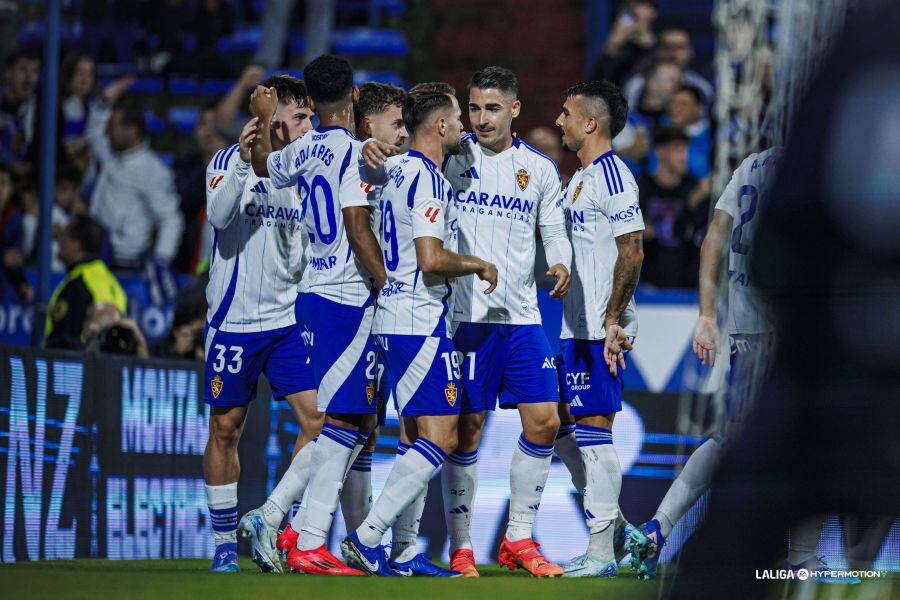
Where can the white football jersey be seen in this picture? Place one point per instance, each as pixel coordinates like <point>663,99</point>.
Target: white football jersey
<point>257,249</point>
<point>743,199</point>
<point>601,203</point>
<point>501,199</point>
<point>323,165</point>
<point>416,201</point>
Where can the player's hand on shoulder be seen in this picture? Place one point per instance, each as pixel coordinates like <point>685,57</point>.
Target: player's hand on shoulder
<point>245,141</point>
<point>263,102</point>
<point>706,340</point>
<point>488,273</point>
<point>562,281</point>
<point>615,345</point>
<point>375,152</point>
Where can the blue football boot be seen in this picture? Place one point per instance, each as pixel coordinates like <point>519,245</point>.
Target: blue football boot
<point>421,566</point>
<point>225,559</point>
<point>371,559</point>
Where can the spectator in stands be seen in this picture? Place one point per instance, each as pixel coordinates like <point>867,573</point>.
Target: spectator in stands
<point>629,42</point>
<point>672,203</point>
<point>107,331</point>
<point>88,282</point>
<point>276,22</point>
<point>18,112</point>
<point>231,107</point>
<point>109,29</point>
<point>549,142</point>
<point>190,179</point>
<point>134,196</point>
<point>685,111</point>
<point>66,204</point>
<point>186,338</point>
<point>211,21</point>
<point>674,47</point>
<point>78,82</point>
<point>12,275</point>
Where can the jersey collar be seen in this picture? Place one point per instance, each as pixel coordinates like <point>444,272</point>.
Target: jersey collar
<point>602,156</point>
<point>321,129</point>
<point>425,159</point>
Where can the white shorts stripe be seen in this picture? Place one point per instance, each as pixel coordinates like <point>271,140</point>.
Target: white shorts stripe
<point>416,372</point>
<point>351,355</point>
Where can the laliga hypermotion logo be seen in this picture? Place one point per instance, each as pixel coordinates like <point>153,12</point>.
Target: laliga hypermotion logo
<point>216,386</point>
<point>450,392</point>
<point>522,179</point>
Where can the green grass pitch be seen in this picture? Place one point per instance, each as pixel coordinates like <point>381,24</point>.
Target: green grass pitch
<point>191,579</point>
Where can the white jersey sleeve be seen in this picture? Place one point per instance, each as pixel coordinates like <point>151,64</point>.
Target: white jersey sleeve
<point>226,175</point>
<point>353,191</point>
<point>552,222</point>
<point>285,166</point>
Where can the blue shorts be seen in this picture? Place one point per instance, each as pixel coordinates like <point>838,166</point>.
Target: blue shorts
<point>512,362</point>
<point>339,337</point>
<point>422,372</point>
<point>590,388</point>
<point>749,368</point>
<point>234,362</point>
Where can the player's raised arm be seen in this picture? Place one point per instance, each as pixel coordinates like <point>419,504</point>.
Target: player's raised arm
<point>263,103</point>
<point>226,175</point>
<point>557,246</point>
<point>706,334</point>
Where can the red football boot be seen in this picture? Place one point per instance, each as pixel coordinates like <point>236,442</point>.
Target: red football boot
<point>287,539</point>
<point>524,554</point>
<point>463,561</point>
<point>318,561</point>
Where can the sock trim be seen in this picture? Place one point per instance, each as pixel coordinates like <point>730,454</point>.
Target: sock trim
<point>402,448</point>
<point>430,451</point>
<point>224,519</point>
<point>463,459</point>
<point>362,437</point>
<point>535,450</point>
<point>363,462</point>
<point>343,436</point>
<point>565,429</point>
<point>586,435</point>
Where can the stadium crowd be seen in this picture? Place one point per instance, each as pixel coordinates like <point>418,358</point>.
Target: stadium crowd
<point>151,203</point>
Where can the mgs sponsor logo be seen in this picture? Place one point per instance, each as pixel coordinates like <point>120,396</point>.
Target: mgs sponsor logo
<point>626,215</point>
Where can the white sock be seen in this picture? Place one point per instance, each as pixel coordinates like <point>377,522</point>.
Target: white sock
<point>459,482</point>
<point>690,484</point>
<point>356,497</point>
<point>566,449</point>
<point>804,540</point>
<point>527,478</point>
<point>405,530</point>
<point>300,513</point>
<point>406,482</point>
<point>601,494</point>
<point>223,512</point>
<point>329,463</point>
<point>290,488</point>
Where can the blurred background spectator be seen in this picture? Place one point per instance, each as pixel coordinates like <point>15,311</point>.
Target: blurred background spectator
<point>77,87</point>
<point>675,206</point>
<point>88,282</point>
<point>18,111</point>
<point>548,141</point>
<point>186,337</point>
<point>135,195</point>
<point>630,41</point>
<point>276,20</point>
<point>12,261</point>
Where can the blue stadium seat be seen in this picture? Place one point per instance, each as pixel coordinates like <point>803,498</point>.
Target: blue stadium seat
<point>360,77</point>
<point>180,86</point>
<point>244,40</point>
<point>155,125</point>
<point>184,118</point>
<point>365,41</point>
<point>141,85</point>
<point>168,158</point>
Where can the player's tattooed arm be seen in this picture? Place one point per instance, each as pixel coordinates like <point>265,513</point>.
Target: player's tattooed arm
<point>626,273</point>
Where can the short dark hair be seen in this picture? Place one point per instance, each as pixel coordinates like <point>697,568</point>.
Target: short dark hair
<point>671,25</point>
<point>375,98</point>
<point>88,233</point>
<point>69,64</point>
<point>69,172</point>
<point>613,100</point>
<point>290,90</point>
<point>423,99</point>
<point>495,78</point>
<point>18,55</point>
<point>134,115</point>
<point>694,91</point>
<point>328,78</point>
<point>667,135</point>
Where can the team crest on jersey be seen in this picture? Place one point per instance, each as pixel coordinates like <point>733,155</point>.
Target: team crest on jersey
<point>522,178</point>
<point>216,385</point>
<point>576,192</point>
<point>450,392</point>
<point>370,392</point>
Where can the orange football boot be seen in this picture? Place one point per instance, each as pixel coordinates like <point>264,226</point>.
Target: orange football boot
<point>318,561</point>
<point>524,554</point>
<point>463,561</point>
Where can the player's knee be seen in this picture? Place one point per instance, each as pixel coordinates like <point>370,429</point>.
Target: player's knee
<point>225,433</point>
<point>542,429</point>
<point>469,431</point>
